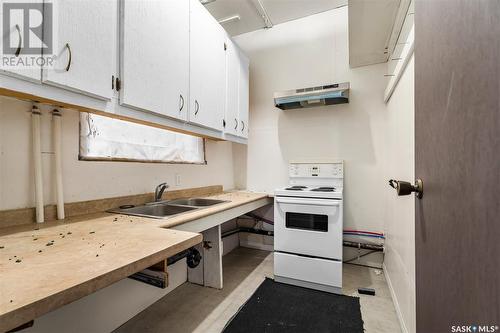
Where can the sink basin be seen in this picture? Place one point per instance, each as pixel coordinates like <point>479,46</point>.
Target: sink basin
<point>196,202</point>
<point>159,211</point>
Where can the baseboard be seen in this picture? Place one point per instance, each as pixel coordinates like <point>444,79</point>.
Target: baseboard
<point>395,300</point>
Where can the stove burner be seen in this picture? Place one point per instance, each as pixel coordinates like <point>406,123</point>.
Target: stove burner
<point>323,189</point>
<point>295,188</point>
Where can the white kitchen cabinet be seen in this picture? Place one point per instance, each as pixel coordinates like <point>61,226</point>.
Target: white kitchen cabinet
<point>237,66</point>
<point>207,69</point>
<point>15,34</point>
<point>244,94</point>
<point>232,88</point>
<point>85,47</point>
<point>154,64</point>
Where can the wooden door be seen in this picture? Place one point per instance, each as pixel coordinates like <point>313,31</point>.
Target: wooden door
<point>20,39</point>
<point>86,33</point>
<point>457,155</point>
<point>232,88</point>
<point>244,95</point>
<point>155,56</point>
<point>207,68</point>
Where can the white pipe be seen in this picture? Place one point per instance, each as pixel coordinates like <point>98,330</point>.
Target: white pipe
<point>56,128</point>
<point>37,163</point>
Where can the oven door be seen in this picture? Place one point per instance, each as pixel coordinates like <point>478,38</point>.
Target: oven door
<point>308,226</point>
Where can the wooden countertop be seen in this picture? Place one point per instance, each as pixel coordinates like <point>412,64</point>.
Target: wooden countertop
<point>43,267</point>
<point>234,199</point>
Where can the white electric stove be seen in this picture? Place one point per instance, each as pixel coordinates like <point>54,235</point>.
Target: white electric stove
<point>308,226</point>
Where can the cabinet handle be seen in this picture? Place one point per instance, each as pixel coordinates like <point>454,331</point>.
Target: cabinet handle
<point>196,107</point>
<point>242,125</point>
<point>18,51</point>
<point>70,56</point>
<point>181,102</point>
<point>235,123</point>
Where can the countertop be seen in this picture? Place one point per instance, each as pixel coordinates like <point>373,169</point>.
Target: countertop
<point>44,266</point>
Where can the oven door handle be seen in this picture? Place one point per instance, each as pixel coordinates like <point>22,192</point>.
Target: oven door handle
<point>304,201</point>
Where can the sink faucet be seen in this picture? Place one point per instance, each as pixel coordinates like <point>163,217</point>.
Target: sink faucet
<point>159,191</point>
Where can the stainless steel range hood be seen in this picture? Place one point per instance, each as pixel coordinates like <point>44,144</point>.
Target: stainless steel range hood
<point>337,93</point>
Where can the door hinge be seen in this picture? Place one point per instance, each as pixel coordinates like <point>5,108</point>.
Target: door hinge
<point>118,84</point>
<point>112,82</point>
<point>224,122</point>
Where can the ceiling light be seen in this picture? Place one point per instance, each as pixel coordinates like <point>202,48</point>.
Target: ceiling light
<point>206,2</point>
<point>263,13</point>
<point>229,19</point>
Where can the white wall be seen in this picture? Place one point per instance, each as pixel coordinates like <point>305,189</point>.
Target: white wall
<point>84,180</point>
<point>400,211</point>
<point>304,53</point>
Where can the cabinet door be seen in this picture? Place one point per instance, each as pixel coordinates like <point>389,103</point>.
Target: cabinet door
<point>207,70</point>
<point>155,56</point>
<point>232,88</point>
<point>19,40</point>
<point>86,46</point>
<point>244,94</point>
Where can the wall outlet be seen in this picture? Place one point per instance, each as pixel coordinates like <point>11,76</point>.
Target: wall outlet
<point>177,179</point>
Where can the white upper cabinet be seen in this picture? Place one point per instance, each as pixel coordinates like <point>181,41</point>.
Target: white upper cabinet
<point>237,88</point>
<point>244,94</point>
<point>21,43</point>
<point>154,64</point>
<point>85,46</point>
<point>207,69</point>
<point>232,88</point>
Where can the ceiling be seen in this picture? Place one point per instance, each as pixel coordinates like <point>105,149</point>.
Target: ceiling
<point>278,11</point>
<point>371,29</point>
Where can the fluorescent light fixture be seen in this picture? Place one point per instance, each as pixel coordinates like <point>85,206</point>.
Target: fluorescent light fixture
<point>229,19</point>
<point>206,2</point>
<point>263,13</point>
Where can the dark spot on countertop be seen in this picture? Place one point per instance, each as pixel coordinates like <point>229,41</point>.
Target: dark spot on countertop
<point>35,239</point>
<point>18,260</point>
<point>69,232</point>
<point>92,232</point>
<point>97,255</point>
<point>39,251</point>
<point>2,247</point>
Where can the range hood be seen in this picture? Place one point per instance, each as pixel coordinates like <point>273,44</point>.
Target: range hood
<point>337,93</point>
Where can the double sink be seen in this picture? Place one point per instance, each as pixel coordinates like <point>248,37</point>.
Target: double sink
<point>164,209</point>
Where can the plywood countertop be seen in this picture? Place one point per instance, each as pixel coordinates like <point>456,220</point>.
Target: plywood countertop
<point>43,267</point>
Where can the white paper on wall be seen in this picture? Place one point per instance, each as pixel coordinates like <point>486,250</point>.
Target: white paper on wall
<point>103,138</point>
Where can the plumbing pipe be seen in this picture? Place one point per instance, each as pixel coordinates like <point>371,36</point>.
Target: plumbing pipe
<point>364,232</point>
<point>56,128</point>
<point>37,163</point>
<point>363,235</point>
<point>365,246</point>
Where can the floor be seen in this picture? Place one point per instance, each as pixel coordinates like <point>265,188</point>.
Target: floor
<point>193,308</point>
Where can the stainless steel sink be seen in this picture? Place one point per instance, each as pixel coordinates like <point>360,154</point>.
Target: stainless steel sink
<point>196,202</point>
<point>159,211</point>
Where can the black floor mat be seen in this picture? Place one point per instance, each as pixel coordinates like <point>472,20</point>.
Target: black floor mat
<point>279,307</point>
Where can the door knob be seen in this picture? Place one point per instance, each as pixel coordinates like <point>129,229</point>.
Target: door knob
<point>406,188</point>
